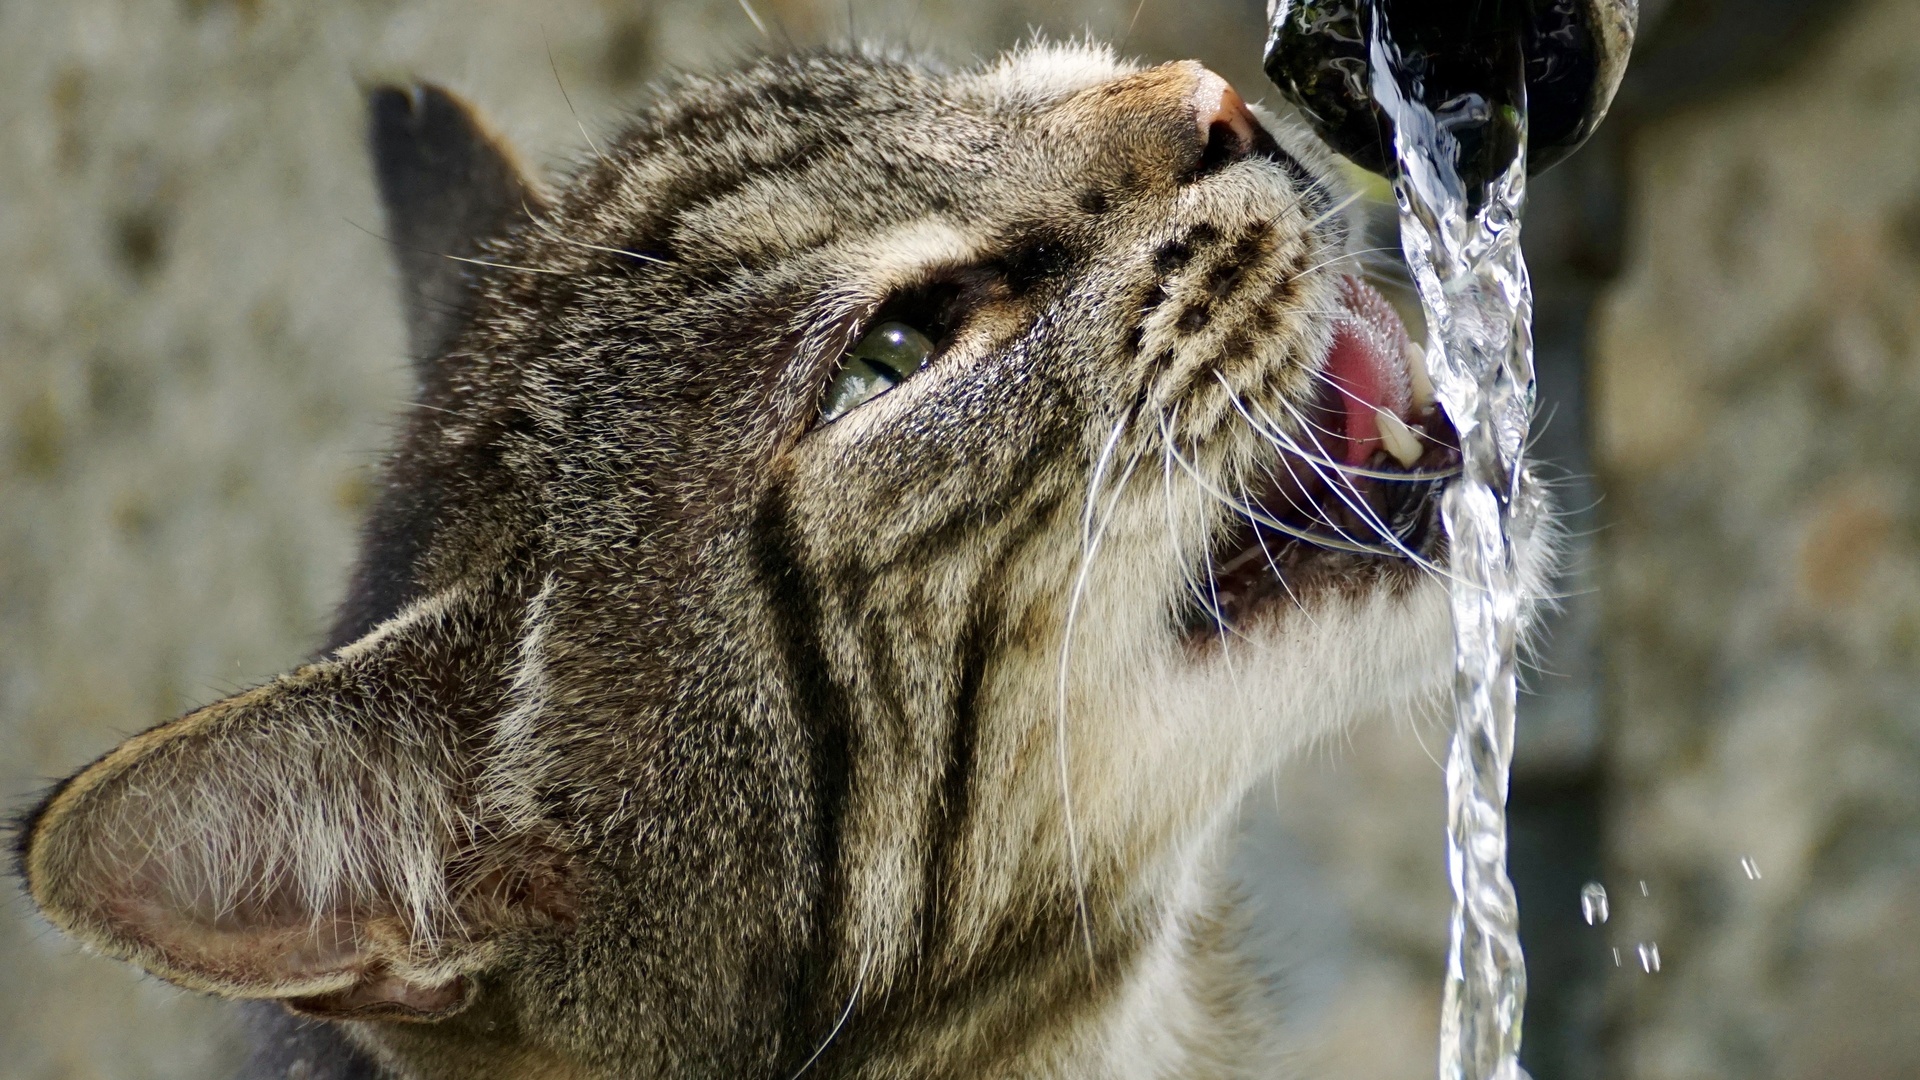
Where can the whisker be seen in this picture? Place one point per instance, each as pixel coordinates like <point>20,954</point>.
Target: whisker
<point>1124,38</point>
<point>1334,210</point>
<point>1337,385</point>
<point>1313,509</point>
<point>1208,598</point>
<point>1346,494</point>
<point>1421,740</point>
<point>456,258</point>
<point>859,980</point>
<point>1267,554</point>
<point>1259,517</point>
<point>1356,254</point>
<point>568,98</point>
<point>1233,398</point>
<point>1090,539</point>
<point>501,265</point>
<point>1286,442</point>
<point>545,228</point>
<point>754,16</point>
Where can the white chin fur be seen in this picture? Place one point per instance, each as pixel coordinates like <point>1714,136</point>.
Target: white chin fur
<point>1171,736</point>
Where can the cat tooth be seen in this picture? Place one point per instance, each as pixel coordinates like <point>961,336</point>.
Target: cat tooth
<point>1398,439</point>
<point>1422,383</point>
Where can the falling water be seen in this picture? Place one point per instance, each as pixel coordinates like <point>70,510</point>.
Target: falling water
<point>1649,956</point>
<point>1593,903</point>
<point>1462,242</point>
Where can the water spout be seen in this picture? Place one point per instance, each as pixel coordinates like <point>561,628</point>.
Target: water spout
<point>1572,52</point>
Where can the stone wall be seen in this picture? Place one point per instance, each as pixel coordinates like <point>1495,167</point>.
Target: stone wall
<point>1756,372</point>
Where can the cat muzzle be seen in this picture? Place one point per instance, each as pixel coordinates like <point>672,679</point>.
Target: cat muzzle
<point>1356,477</point>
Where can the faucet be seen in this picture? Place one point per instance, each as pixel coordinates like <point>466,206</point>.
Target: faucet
<point>1479,66</point>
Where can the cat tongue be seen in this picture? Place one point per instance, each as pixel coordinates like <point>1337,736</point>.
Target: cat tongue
<point>1367,367</point>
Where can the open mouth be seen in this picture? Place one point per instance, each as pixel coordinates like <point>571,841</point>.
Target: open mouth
<point>1354,487</point>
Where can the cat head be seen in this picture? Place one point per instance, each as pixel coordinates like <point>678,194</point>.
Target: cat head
<point>857,537</point>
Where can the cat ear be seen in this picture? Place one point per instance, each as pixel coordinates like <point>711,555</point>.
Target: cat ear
<point>447,183</point>
<point>311,841</point>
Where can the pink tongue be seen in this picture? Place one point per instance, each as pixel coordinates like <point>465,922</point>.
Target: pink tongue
<point>1367,366</point>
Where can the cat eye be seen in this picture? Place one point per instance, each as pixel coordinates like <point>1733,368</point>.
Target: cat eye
<point>882,359</point>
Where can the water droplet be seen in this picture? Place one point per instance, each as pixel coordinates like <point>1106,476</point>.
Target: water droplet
<point>1593,903</point>
<point>1752,868</point>
<point>1616,957</point>
<point>1649,956</point>
<point>1643,889</point>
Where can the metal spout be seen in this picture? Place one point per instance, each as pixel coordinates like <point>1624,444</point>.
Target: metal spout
<point>1557,62</point>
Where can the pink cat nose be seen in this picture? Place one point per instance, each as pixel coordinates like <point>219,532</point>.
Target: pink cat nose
<point>1220,112</point>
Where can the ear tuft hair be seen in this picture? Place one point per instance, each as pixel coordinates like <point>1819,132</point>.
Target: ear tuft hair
<point>312,841</point>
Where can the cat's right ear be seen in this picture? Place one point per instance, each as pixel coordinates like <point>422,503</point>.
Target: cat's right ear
<point>448,184</point>
<point>317,841</point>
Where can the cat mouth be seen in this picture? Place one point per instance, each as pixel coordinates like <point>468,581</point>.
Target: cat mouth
<point>1352,489</point>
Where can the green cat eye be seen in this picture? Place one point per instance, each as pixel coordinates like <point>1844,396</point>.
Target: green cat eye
<point>882,359</point>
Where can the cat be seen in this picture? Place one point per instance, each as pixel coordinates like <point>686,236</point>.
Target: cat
<point>856,541</point>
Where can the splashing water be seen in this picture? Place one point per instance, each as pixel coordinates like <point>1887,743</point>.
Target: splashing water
<point>1462,243</point>
<point>1593,903</point>
<point>1649,956</point>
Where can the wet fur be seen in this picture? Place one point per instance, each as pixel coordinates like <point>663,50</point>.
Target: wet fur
<point>670,733</point>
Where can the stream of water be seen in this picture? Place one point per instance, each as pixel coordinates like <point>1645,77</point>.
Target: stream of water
<point>1462,243</point>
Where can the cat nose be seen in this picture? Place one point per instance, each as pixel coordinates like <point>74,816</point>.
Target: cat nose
<point>1221,114</point>
<point>1176,121</point>
<point>1228,129</point>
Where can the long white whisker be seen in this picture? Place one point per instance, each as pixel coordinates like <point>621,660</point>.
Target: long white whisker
<point>1332,211</point>
<point>545,228</point>
<point>1257,516</point>
<point>1346,494</point>
<point>1343,256</point>
<point>1267,553</point>
<point>1340,542</point>
<point>1124,38</point>
<point>859,980</point>
<point>568,98</point>
<point>1338,466</point>
<point>1273,432</point>
<point>502,266</point>
<point>1189,580</point>
<point>1091,536</point>
<point>755,17</point>
<point>1342,388</point>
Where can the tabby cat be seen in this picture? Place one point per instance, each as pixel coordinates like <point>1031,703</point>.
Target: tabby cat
<point>856,541</point>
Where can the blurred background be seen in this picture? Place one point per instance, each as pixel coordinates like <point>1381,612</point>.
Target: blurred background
<point>200,353</point>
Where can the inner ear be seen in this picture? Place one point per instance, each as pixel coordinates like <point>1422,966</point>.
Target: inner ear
<point>309,841</point>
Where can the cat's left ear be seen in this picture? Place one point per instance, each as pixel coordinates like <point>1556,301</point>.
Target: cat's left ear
<point>317,841</point>
<point>448,183</point>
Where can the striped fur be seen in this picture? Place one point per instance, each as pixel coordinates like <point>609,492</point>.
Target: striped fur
<point>673,733</point>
